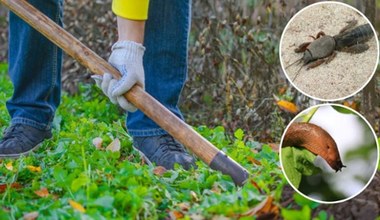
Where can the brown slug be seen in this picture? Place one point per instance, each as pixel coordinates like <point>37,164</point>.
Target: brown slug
<point>316,140</point>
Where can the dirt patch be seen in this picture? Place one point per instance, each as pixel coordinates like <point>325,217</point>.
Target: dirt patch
<point>347,73</point>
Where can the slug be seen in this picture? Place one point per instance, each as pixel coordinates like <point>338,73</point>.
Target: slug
<point>316,140</point>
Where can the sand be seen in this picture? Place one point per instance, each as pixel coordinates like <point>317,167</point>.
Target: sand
<point>347,73</point>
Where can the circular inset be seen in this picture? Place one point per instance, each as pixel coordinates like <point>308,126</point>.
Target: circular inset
<point>329,153</point>
<point>329,51</point>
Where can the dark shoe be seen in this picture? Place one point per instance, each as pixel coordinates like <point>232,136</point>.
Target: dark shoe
<point>164,151</point>
<point>21,139</point>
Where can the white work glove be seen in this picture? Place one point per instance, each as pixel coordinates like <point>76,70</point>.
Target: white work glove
<point>127,57</point>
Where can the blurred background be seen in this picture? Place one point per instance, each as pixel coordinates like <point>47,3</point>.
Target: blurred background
<point>234,71</point>
<point>234,68</point>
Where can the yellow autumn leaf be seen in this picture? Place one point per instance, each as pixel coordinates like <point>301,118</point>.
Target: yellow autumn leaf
<point>9,166</point>
<point>42,192</point>
<point>77,206</point>
<point>33,168</point>
<point>352,104</point>
<point>176,214</point>
<point>287,106</point>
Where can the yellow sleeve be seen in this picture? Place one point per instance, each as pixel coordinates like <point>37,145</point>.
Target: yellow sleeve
<point>131,9</point>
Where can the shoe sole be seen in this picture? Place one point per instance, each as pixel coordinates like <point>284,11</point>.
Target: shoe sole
<point>26,153</point>
<point>15,156</point>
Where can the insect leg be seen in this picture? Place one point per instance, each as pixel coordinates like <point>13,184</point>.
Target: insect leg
<point>321,33</point>
<point>350,24</point>
<point>331,57</point>
<point>315,63</point>
<point>357,48</point>
<point>302,47</point>
<point>320,61</point>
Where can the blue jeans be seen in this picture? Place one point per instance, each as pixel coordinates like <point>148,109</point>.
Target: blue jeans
<point>35,65</point>
<point>34,69</point>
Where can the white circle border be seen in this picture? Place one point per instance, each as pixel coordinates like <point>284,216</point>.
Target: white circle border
<point>377,160</point>
<point>341,98</point>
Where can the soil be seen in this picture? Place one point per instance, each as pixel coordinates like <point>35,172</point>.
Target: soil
<point>364,206</point>
<point>347,73</point>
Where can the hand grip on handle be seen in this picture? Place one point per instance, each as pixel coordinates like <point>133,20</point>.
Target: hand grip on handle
<point>136,95</point>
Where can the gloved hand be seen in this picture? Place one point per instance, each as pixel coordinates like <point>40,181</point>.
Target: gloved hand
<point>127,57</point>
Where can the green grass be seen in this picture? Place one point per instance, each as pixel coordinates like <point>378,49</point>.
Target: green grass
<point>117,185</point>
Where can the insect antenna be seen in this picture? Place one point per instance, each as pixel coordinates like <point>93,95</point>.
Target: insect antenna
<point>297,74</point>
<point>297,61</point>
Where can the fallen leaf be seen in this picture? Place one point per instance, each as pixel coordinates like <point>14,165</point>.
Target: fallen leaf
<point>256,186</point>
<point>255,151</point>
<point>282,90</point>
<point>220,217</point>
<point>97,142</point>
<point>352,104</point>
<point>184,206</point>
<point>176,214</point>
<point>77,206</point>
<point>275,146</point>
<point>265,209</point>
<point>9,166</point>
<point>253,160</point>
<point>194,196</point>
<point>197,216</point>
<point>31,216</point>
<point>15,185</point>
<point>287,106</point>
<point>159,171</point>
<point>33,168</point>
<point>42,192</point>
<point>216,189</point>
<point>114,146</point>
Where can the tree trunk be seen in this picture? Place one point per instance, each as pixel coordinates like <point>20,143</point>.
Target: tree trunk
<point>370,99</point>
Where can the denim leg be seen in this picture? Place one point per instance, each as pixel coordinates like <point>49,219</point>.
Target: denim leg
<point>35,69</point>
<point>165,60</point>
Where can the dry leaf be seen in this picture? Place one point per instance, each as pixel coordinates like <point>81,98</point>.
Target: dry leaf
<point>265,208</point>
<point>42,192</point>
<point>352,104</point>
<point>194,196</point>
<point>30,216</point>
<point>255,151</point>
<point>15,185</point>
<point>159,171</point>
<point>256,186</point>
<point>97,142</point>
<point>282,90</point>
<point>197,216</point>
<point>33,168</point>
<point>184,206</point>
<point>216,189</point>
<point>114,146</point>
<point>220,217</point>
<point>9,166</point>
<point>275,146</point>
<point>253,160</point>
<point>176,214</point>
<point>77,206</point>
<point>287,106</point>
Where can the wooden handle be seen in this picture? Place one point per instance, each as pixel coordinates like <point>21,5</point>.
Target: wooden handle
<point>137,96</point>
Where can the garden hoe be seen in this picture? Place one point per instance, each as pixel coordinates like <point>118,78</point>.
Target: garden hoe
<point>137,96</point>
